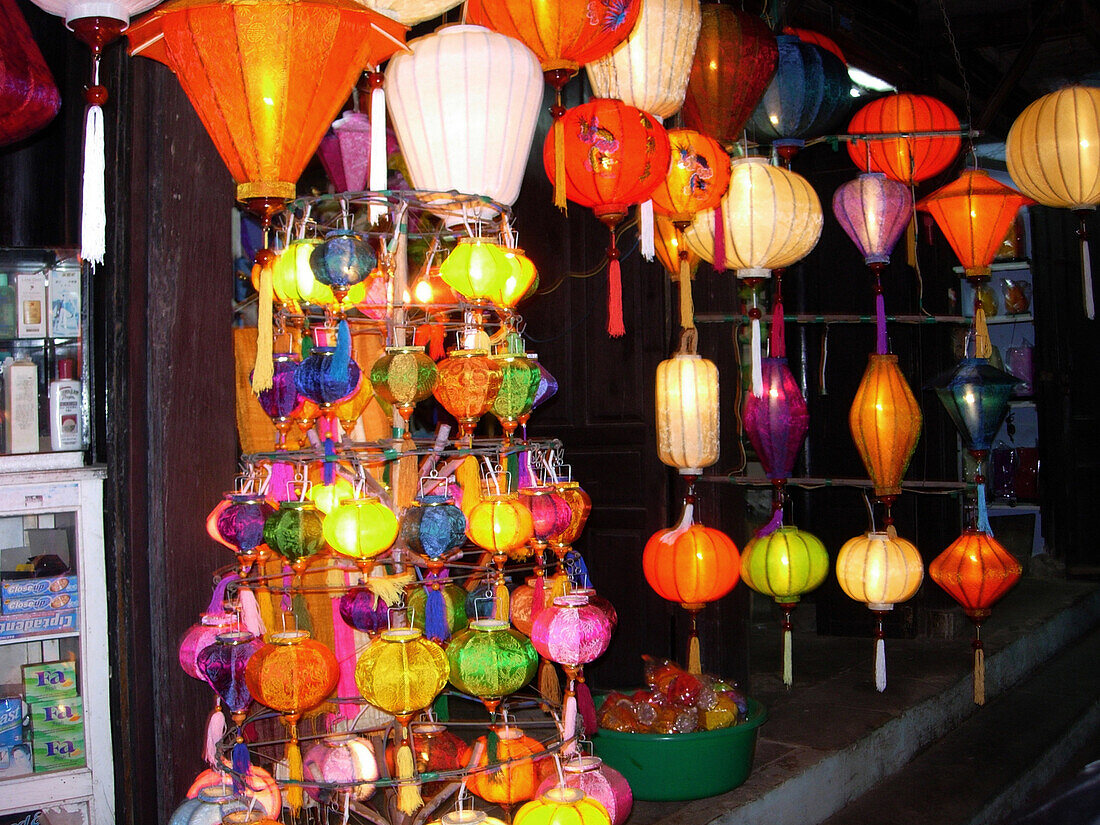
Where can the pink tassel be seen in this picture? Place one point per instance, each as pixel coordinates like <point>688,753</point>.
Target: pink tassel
<point>344,648</point>
<point>587,708</point>
<point>215,730</point>
<point>778,345</point>
<point>539,599</point>
<point>615,326</point>
<point>280,482</point>
<point>569,724</point>
<point>250,613</point>
<point>719,263</point>
<point>773,525</point>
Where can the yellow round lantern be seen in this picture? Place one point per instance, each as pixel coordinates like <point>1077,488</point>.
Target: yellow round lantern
<point>521,281</point>
<point>327,496</point>
<point>687,412</point>
<point>563,806</point>
<point>361,529</point>
<point>501,524</point>
<point>467,384</point>
<point>477,269</point>
<point>467,818</point>
<point>402,672</point>
<point>880,570</point>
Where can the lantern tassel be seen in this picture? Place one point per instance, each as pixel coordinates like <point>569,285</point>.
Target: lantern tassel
<point>250,613</point>
<point>502,601</point>
<point>615,326</point>
<point>549,684</point>
<point>788,657</point>
<point>217,598</point>
<point>538,601</point>
<point>492,745</point>
<point>719,262</point>
<point>242,764</point>
<point>757,366</point>
<point>93,209</point>
<point>409,800</point>
<point>341,356</point>
<point>1086,280</point>
<point>777,344</point>
<point>390,589</point>
<point>587,708</point>
<point>294,795</point>
<point>687,305</point>
<point>880,665</point>
<point>881,347</point>
<point>645,222</point>
<point>983,347</point>
<point>559,163</point>
<point>569,723</point>
<point>983,513</point>
<point>773,524</point>
<point>695,658</point>
<point>979,673</point>
<point>377,147</point>
<point>280,481</point>
<point>435,615</point>
<point>263,370</point>
<point>215,730</point>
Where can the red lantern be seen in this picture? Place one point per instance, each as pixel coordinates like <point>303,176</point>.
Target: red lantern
<point>818,39</point>
<point>613,156</point>
<point>976,571</point>
<point>905,159</point>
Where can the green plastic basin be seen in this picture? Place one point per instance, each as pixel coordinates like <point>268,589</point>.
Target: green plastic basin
<point>662,766</point>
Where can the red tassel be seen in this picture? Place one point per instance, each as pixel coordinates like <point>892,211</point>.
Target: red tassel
<point>778,345</point>
<point>615,326</point>
<point>719,241</point>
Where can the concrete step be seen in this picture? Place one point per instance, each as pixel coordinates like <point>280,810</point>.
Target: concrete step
<point>833,737</point>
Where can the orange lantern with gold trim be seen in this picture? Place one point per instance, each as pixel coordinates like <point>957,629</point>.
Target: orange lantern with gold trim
<point>523,764</point>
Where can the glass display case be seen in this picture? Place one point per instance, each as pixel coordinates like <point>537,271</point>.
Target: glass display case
<point>55,733</point>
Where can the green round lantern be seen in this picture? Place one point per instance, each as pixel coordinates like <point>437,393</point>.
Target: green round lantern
<point>403,377</point>
<point>454,602</point>
<point>784,565</point>
<point>296,532</point>
<point>491,659</point>
<point>518,386</point>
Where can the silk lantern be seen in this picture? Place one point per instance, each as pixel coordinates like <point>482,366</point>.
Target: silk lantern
<point>243,67</point>
<point>776,424</point>
<point>490,660</point>
<point>345,258</point>
<point>547,389</point>
<point>809,91</point>
<point>512,773</point>
<point>687,410</point>
<point>436,750</point>
<point>329,374</point>
<point>598,781</point>
<point>500,524</point>
<point>550,515</point>
<point>364,610</point>
<point>668,244</point>
<point>281,398</point>
<point>404,376</point>
<point>580,505</point>
<point>292,674</point>
<point>880,570</point>
<point>785,564</point>
<point>476,269</point>
<point>560,805</point>
<point>817,39</point>
<point>210,807</point>
<point>612,156</point>
<point>976,571</point>
<point>361,529</point>
<point>464,103</point>
<point>213,621</point>
<point>734,61</point>
<point>29,97</point>
<point>256,784</point>
<point>327,497</point>
<point>974,212</point>
<point>885,422</point>
<point>240,525</point>
<point>345,768</point>
<point>296,532</point>
<point>433,526</point>
<point>518,385</point>
<point>411,12</point>
<point>909,155</point>
<point>691,564</point>
<point>772,218</point>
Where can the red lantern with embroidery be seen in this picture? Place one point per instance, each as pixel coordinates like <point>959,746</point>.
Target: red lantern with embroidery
<point>613,156</point>
<point>905,159</point>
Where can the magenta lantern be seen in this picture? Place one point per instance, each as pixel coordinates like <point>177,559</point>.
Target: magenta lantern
<point>214,620</point>
<point>570,631</point>
<point>874,210</point>
<point>776,422</point>
<point>599,781</point>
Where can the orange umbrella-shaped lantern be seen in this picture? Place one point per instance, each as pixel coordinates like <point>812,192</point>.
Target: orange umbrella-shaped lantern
<point>613,156</point>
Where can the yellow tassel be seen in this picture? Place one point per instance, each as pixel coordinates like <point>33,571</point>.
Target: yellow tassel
<point>911,242</point>
<point>263,371</point>
<point>549,684</point>
<point>559,165</point>
<point>979,676</point>
<point>687,306</point>
<point>503,601</point>
<point>294,797</point>
<point>409,800</point>
<point>469,480</point>
<point>695,664</point>
<point>788,660</point>
<point>983,347</point>
<point>390,589</point>
<point>558,585</point>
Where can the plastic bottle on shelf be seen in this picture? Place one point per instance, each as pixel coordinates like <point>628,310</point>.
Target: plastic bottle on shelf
<point>65,403</point>
<point>7,307</point>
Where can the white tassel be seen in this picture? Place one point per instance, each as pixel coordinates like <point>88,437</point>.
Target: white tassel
<point>569,724</point>
<point>645,221</point>
<point>377,180</point>
<point>93,209</point>
<point>788,665</point>
<point>757,366</point>
<point>250,613</point>
<point>215,730</point>
<point>1086,280</point>
<point>880,665</point>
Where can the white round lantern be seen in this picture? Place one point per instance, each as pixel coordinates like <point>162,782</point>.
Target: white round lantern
<point>687,412</point>
<point>464,103</point>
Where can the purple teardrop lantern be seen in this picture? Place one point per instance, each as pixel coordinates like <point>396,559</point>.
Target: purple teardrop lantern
<point>776,422</point>
<point>874,210</point>
<point>222,665</point>
<point>241,523</point>
<point>282,397</point>
<point>363,610</point>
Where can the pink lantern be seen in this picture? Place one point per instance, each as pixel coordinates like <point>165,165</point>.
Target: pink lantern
<point>571,632</point>
<point>599,781</point>
<point>214,620</point>
<point>600,602</point>
<point>257,784</point>
<point>346,761</point>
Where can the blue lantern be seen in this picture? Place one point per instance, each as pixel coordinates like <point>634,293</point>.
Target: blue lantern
<point>344,259</point>
<point>433,526</point>
<point>975,395</point>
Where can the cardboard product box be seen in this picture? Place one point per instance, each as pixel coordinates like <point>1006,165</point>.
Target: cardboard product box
<point>43,586</point>
<point>16,760</point>
<point>49,681</point>
<point>30,304</point>
<point>15,605</point>
<point>58,751</point>
<point>60,716</point>
<point>38,624</point>
<point>63,296</point>
<point>21,407</point>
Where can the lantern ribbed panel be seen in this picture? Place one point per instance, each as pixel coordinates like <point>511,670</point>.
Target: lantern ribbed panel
<point>410,12</point>
<point>76,9</point>
<point>907,159</point>
<point>809,91</point>
<point>687,412</point>
<point>570,631</point>
<point>464,103</point>
<point>784,564</point>
<point>698,176</point>
<point>974,213</point>
<point>518,778</point>
<point>342,760</point>
<point>975,395</point>
<point>772,218</point>
<point>776,422</point>
<point>240,66</point>
<point>401,672</point>
<point>734,61</point>
<point>292,673</point>
<point>490,660</point>
<point>874,210</point>
<point>295,531</point>
<point>562,806</point>
<point>564,34</point>
<point>878,570</point>
<point>403,376</point>
<point>649,70</point>
<point>975,570</point>
<point>1053,149</point>
<point>885,422</point>
<point>258,785</point>
<point>691,566</point>
<point>597,781</point>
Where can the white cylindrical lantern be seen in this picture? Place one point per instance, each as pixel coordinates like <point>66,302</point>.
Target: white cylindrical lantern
<point>687,412</point>
<point>649,70</point>
<point>464,102</point>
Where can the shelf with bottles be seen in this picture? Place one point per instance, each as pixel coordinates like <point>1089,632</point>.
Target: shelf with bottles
<point>44,369</point>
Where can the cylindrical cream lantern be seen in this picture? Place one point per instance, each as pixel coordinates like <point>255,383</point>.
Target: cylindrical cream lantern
<point>687,412</point>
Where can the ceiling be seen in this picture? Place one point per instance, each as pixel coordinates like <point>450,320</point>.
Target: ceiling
<point>1009,51</point>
